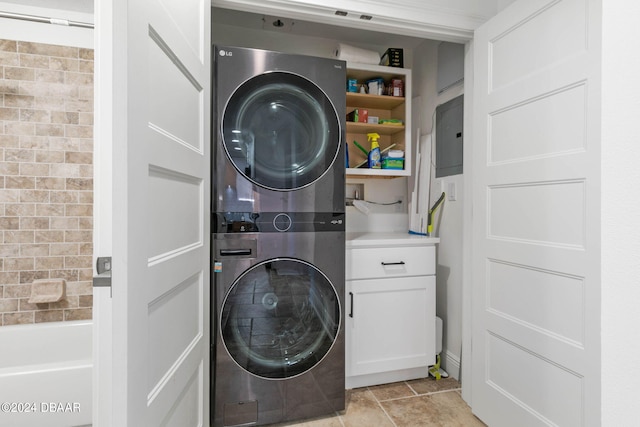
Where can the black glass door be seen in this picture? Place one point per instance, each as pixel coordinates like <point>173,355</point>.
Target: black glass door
<point>281,131</point>
<point>280,318</point>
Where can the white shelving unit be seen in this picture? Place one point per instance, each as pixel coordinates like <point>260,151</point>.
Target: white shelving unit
<point>384,107</point>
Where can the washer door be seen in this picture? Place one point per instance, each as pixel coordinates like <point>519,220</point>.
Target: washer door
<point>280,318</point>
<point>281,131</point>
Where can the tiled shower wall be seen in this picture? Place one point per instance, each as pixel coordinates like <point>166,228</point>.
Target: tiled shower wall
<point>46,178</point>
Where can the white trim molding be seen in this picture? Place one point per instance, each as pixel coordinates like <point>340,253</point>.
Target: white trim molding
<point>407,18</point>
<point>451,364</point>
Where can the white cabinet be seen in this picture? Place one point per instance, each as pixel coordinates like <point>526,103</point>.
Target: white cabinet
<point>387,107</point>
<point>390,312</point>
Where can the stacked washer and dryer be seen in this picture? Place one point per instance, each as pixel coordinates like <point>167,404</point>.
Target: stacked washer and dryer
<point>278,241</point>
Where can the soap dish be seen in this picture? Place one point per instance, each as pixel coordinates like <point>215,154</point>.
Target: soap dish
<point>47,290</point>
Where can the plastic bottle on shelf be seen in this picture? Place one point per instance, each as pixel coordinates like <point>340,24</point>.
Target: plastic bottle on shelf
<point>374,153</point>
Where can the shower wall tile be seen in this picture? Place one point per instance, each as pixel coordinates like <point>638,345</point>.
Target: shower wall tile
<point>79,210</point>
<point>9,250</point>
<point>47,49</point>
<point>27,277</point>
<point>18,264</point>
<point>9,223</point>
<point>17,73</point>
<point>49,262</point>
<point>49,76</point>
<point>8,86</point>
<point>46,178</point>
<point>25,305</point>
<point>49,316</point>
<point>15,291</point>
<point>77,314</point>
<point>18,318</point>
<point>33,61</point>
<point>20,209</point>
<point>9,196</point>
<point>85,66</point>
<point>85,301</point>
<point>85,249</point>
<point>8,305</point>
<point>9,114</point>
<point>34,223</point>
<point>69,302</point>
<point>64,224</point>
<point>86,54</point>
<point>49,183</point>
<point>20,182</point>
<point>49,210</point>
<point>11,141</point>
<point>34,169</point>
<point>64,249</point>
<point>12,99</point>
<point>8,45</point>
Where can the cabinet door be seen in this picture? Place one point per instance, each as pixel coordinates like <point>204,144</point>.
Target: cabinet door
<point>390,324</point>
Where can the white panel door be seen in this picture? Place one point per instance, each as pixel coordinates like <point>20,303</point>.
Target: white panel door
<point>160,65</point>
<point>536,215</point>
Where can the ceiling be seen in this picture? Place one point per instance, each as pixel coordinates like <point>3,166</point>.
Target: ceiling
<point>84,6</point>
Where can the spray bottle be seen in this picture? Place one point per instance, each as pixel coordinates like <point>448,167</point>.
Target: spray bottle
<point>374,154</point>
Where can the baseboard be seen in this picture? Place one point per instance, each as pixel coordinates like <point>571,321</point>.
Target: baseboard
<point>451,364</point>
<point>386,377</point>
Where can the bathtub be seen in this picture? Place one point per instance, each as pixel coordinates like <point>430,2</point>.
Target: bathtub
<point>45,374</point>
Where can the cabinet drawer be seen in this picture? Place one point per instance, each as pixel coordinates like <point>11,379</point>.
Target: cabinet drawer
<point>374,263</point>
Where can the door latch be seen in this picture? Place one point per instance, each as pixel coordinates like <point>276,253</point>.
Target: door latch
<point>103,278</point>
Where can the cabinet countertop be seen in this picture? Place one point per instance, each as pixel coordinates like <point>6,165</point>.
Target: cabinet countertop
<point>356,240</point>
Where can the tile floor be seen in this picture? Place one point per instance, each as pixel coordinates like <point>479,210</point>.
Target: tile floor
<point>417,403</point>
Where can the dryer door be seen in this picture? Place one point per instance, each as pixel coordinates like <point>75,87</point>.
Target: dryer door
<point>280,318</point>
<point>281,131</point>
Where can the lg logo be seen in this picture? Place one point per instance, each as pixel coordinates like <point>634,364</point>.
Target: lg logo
<point>225,53</point>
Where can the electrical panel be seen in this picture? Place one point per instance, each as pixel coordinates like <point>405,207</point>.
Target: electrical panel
<point>449,121</point>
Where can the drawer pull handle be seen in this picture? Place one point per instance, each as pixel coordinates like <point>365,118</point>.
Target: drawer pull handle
<point>351,311</point>
<point>392,263</point>
<point>235,252</point>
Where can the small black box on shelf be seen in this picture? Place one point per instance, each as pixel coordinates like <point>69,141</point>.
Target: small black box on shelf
<point>392,58</point>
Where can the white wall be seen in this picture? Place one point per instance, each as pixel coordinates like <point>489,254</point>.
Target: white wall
<point>448,220</point>
<point>14,29</point>
<point>620,213</point>
<point>392,218</point>
<point>230,35</point>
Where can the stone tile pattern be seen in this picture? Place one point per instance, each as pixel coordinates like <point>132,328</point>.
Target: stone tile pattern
<point>46,178</point>
<point>418,403</point>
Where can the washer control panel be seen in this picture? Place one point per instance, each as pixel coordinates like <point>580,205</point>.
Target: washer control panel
<point>277,222</point>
